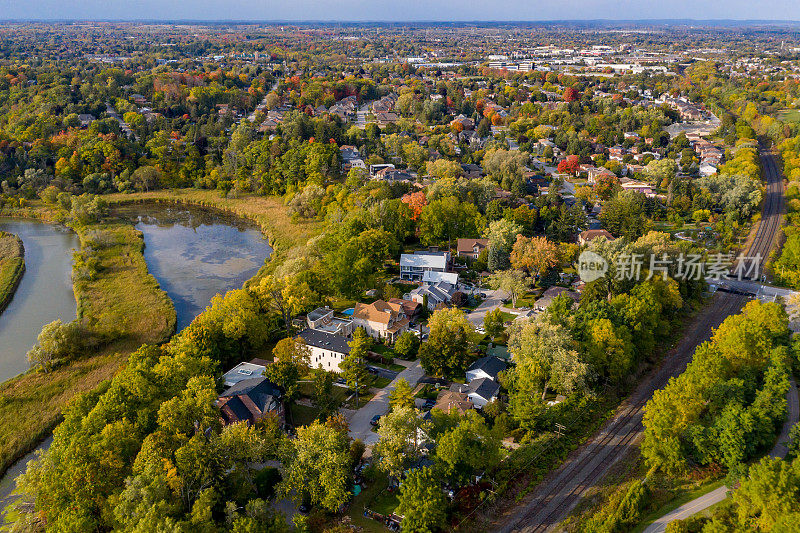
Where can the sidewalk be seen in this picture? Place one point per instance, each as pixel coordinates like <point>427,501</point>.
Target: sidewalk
<point>717,495</point>
<point>360,427</point>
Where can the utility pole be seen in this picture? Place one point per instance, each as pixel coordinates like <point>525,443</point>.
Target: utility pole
<point>560,430</point>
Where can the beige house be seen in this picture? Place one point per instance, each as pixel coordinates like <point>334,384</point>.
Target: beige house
<point>381,319</point>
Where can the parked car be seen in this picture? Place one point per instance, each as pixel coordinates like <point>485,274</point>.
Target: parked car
<point>372,370</point>
<point>375,420</point>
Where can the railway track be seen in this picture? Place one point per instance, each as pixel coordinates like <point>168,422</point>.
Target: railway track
<point>562,490</point>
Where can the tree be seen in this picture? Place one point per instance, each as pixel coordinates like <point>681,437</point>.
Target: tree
<point>399,442</point>
<point>422,502</point>
<point>514,282</point>
<point>546,358</point>
<point>55,342</point>
<point>322,393</point>
<point>407,345</point>
<point>569,165</point>
<point>570,94</point>
<point>353,366</point>
<point>317,467</point>
<point>402,395</point>
<point>493,322</point>
<point>286,296</point>
<point>609,349</point>
<point>469,447</point>
<point>535,255</point>
<point>446,350</point>
<point>447,218</point>
<point>291,360</point>
<point>146,178</point>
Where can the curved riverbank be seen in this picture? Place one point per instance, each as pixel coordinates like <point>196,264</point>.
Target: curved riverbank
<point>12,267</point>
<point>119,271</point>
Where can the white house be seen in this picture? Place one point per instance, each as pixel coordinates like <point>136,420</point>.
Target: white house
<point>437,293</point>
<point>413,266</point>
<point>431,277</point>
<point>381,319</point>
<point>486,367</point>
<point>327,349</point>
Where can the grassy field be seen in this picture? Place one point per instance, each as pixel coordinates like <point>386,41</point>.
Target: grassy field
<point>121,307</point>
<point>12,266</point>
<point>790,115</point>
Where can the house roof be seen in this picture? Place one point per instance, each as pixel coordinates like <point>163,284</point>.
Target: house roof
<point>410,307</point>
<point>249,400</point>
<point>378,311</point>
<point>468,245</point>
<point>489,364</point>
<point>324,340</point>
<point>424,260</point>
<point>243,371</point>
<point>591,234</point>
<point>318,313</point>
<point>484,387</point>
<point>433,276</point>
<point>448,400</point>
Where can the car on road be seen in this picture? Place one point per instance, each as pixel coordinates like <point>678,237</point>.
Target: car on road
<point>372,370</point>
<point>341,381</point>
<point>375,420</point>
<point>483,295</point>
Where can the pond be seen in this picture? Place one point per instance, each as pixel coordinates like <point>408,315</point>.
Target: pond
<point>196,253</point>
<point>44,293</point>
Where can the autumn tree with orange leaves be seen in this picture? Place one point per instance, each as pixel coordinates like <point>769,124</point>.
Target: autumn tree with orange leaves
<point>416,201</point>
<point>535,255</point>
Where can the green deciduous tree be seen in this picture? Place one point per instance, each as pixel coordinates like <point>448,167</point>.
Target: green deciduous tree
<point>422,502</point>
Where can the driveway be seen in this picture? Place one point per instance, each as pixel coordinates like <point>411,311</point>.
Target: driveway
<point>360,427</point>
<point>494,300</point>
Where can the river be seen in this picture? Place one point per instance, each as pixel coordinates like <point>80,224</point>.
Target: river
<point>44,293</point>
<point>194,253</point>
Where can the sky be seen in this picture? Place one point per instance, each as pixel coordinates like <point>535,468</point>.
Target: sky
<point>399,10</point>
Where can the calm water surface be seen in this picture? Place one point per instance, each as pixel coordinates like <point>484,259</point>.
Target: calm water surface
<point>195,253</point>
<point>44,294</point>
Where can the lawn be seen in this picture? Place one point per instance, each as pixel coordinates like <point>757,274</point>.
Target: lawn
<point>302,415</point>
<point>789,115</point>
<point>365,501</point>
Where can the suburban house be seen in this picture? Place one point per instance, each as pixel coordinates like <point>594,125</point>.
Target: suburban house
<point>550,294</point>
<point>436,294</point>
<point>585,237</point>
<point>448,400</point>
<point>410,307</point>
<point>241,372</point>
<point>413,266</point>
<point>322,319</point>
<point>479,391</point>
<point>86,119</point>
<point>381,319</point>
<point>471,247</point>
<point>637,186</point>
<point>250,400</point>
<point>486,367</point>
<point>327,349</point>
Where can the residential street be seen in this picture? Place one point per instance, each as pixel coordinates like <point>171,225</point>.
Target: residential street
<point>360,427</point>
<point>494,299</point>
<point>717,495</point>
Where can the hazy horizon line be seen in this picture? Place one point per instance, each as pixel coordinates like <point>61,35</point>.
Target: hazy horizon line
<point>718,21</point>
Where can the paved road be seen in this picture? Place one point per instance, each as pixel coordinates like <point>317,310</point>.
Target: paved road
<point>360,427</point>
<point>717,495</point>
<point>562,489</point>
<point>494,300</point>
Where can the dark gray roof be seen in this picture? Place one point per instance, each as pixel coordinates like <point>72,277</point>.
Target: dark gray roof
<point>253,387</point>
<point>490,364</point>
<point>326,341</point>
<point>484,387</point>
